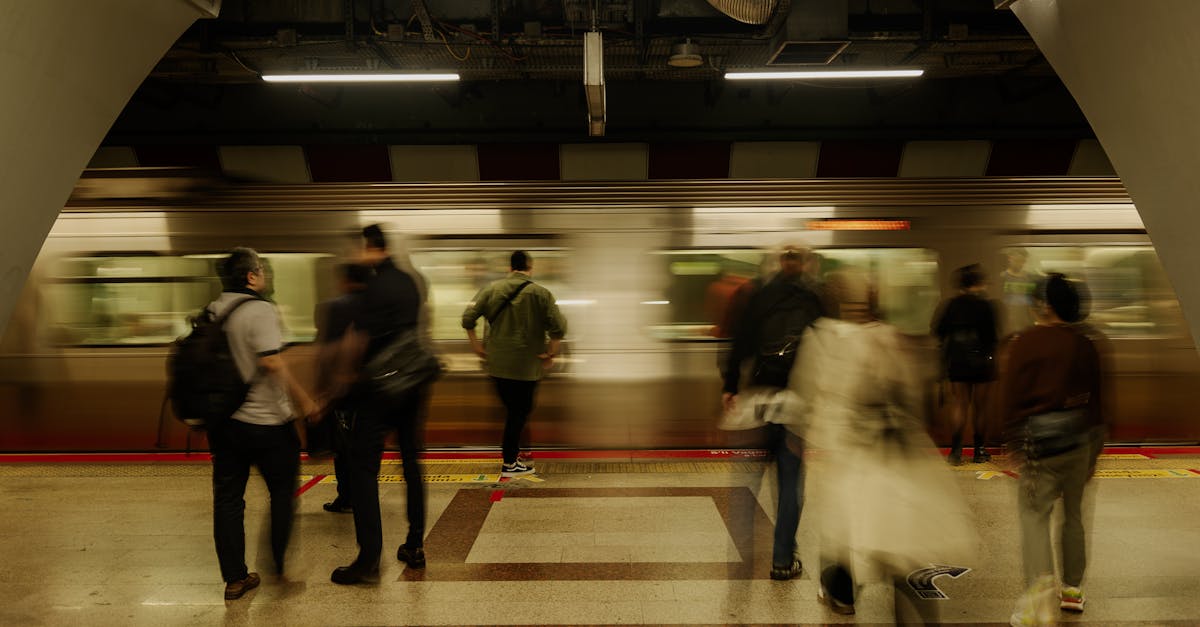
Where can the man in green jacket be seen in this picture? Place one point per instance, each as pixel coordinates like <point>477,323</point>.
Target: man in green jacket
<point>525,330</point>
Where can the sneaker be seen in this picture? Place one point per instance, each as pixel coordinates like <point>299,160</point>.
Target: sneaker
<point>515,469</point>
<point>235,589</point>
<point>783,573</point>
<point>1036,605</point>
<point>414,556</point>
<point>1072,599</point>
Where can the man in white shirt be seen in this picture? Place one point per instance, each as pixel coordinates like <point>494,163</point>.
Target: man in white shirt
<point>260,432</point>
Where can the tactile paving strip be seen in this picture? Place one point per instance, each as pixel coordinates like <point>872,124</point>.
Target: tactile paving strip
<point>390,467</point>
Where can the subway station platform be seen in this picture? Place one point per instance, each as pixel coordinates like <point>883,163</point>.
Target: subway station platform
<point>594,538</point>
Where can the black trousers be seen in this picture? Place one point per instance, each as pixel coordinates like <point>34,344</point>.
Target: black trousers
<point>373,422</point>
<point>517,397</point>
<point>275,451</point>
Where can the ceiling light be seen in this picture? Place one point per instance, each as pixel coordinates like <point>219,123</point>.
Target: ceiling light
<point>822,74</point>
<point>357,78</point>
<point>686,54</point>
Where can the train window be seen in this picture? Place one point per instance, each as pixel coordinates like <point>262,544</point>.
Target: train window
<point>455,276</point>
<point>906,280</point>
<point>701,289</point>
<point>703,285</point>
<point>1130,293</point>
<point>146,299</point>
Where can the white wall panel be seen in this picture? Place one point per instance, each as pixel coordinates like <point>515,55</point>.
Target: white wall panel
<point>774,160</point>
<point>945,158</point>
<point>1090,160</point>
<point>604,162</point>
<point>427,164</point>
<point>268,164</point>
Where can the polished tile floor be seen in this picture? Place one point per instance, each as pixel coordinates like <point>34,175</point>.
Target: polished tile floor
<point>633,541</point>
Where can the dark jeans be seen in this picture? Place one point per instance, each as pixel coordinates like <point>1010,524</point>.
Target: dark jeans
<point>372,423</point>
<point>275,450</point>
<point>789,470</point>
<point>517,397</point>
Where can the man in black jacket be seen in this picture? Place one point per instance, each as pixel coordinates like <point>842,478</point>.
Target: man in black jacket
<point>768,336</point>
<point>391,305</point>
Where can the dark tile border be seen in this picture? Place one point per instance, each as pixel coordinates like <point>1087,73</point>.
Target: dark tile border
<point>451,539</point>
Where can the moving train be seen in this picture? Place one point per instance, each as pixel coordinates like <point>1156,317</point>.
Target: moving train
<point>634,266</point>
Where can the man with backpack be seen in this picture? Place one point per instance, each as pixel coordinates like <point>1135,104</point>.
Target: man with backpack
<point>260,432</point>
<point>525,329</point>
<point>768,336</point>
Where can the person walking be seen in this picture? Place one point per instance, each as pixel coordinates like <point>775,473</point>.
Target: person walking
<point>260,433</point>
<point>768,336</point>
<point>524,335</point>
<point>391,305</point>
<point>1054,411</point>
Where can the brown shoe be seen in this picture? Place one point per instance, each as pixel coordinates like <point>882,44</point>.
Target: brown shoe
<point>235,589</point>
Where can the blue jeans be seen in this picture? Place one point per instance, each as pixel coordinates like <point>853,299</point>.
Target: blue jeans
<point>789,470</point>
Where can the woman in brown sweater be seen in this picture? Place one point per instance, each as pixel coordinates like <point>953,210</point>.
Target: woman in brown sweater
<point>1053,417</point>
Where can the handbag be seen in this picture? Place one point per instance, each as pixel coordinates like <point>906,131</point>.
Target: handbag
<point>402,367</point>
<point>1054,433</point>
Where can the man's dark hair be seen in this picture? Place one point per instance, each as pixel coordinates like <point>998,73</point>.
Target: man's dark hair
<point>520,261</point>
<point>1063,296</point>
<point>374,237</point>
<point>354,273</point>
<point>234,268</point>
<point>970,276</point>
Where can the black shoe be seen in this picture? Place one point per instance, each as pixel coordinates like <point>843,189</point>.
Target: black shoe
<point>955,457</point>
<point>338,507</point>
<point>981,455</point>
<point>354,573</point>
<point>838,607</point>
<point>783,573</point>
<point>414,556</point>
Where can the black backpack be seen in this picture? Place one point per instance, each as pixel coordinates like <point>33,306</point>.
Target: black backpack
<point>779,332</point>
<point>204,383</point>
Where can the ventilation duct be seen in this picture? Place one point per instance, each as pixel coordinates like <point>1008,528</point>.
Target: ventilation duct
<point>748,11</point>
<point>815,33</point>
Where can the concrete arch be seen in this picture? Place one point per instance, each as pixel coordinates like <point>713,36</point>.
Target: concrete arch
<point>68,68</point>
<point>1132,66</point>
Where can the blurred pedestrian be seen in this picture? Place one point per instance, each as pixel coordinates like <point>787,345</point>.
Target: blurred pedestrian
<point>966,329</point>
<point>1054,420</point>
<point>334,318</point>
<point>885,502</point>
<point>391,305</point>
<point>769,336</point>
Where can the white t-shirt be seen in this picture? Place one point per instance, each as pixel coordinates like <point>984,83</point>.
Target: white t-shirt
<point>254,331</point>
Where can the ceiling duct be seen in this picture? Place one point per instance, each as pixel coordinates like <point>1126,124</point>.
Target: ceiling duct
<point>815,33</point>
<point>748,11</point>
<point>593,82</point>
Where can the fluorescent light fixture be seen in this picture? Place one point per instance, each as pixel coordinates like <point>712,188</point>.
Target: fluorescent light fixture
<point>821,75</point>
<point>357,78</point>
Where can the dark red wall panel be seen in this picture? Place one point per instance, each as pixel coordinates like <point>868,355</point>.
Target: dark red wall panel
<point>367,163</point>
<point>1031,157</point>
<point>518,162</point>
<point>859,158</point>
<point>689,160</point>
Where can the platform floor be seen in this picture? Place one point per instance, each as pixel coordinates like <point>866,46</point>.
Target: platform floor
<point>606,541</point>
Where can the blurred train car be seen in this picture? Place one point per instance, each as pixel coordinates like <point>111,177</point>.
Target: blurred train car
<point>640,270</point>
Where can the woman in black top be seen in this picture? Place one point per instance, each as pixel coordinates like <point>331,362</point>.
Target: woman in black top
<point>966,329</point>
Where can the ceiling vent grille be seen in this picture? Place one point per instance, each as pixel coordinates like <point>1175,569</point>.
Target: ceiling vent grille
<point>808,52</point>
